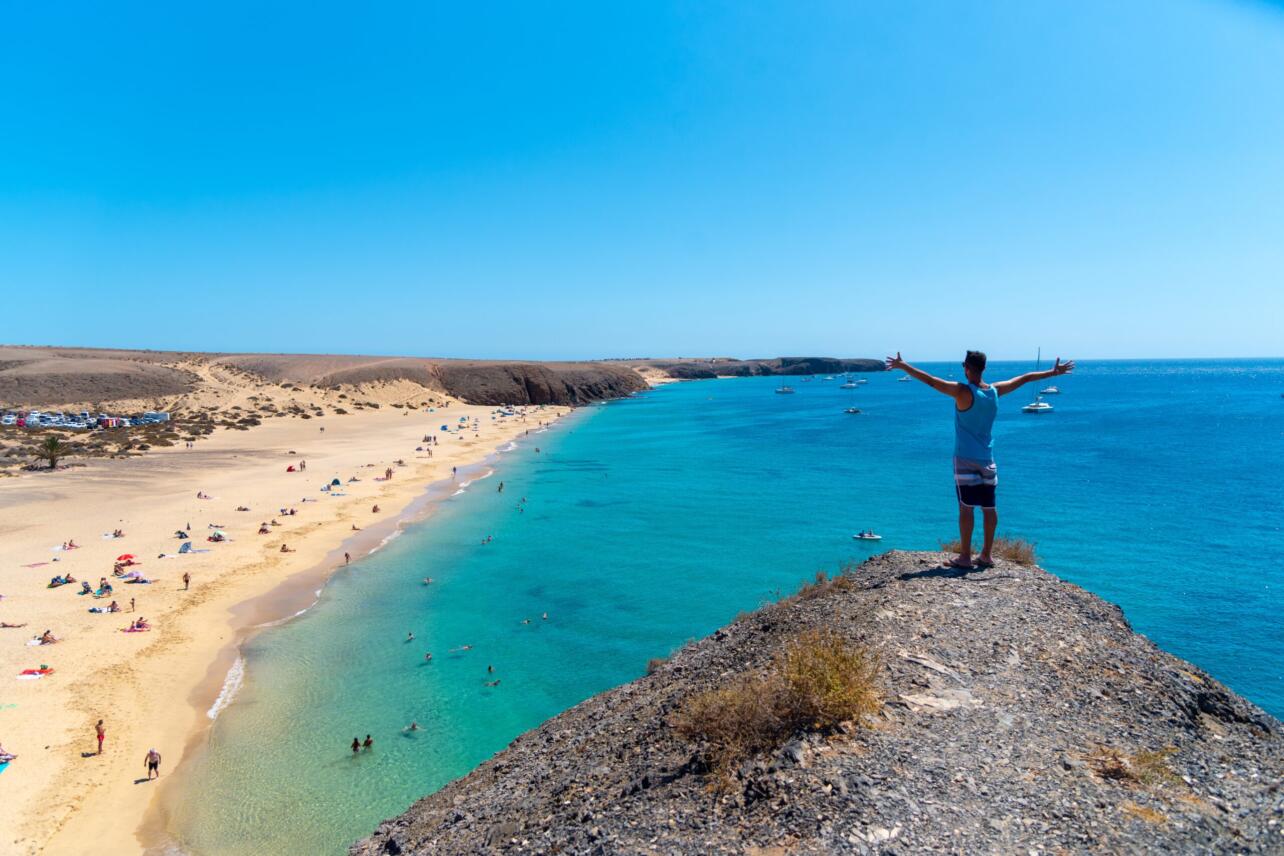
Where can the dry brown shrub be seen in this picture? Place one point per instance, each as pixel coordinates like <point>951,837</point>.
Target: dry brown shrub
<point>815,683</point>
<point>1016,550</point>
<point>1145,813</point>
<point>1148,767</point>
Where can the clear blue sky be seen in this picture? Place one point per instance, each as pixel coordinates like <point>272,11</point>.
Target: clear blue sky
<point>597,179</point>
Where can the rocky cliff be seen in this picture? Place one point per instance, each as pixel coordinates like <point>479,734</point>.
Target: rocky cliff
<point>537,383</point>
<point>695,369</point>
<point>1018,713</point>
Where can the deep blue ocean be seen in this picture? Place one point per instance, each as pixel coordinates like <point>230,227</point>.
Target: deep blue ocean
<point>1158,485</point>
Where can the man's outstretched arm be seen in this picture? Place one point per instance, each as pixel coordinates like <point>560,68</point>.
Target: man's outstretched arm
<point>1013,384</point>
<point>949,387</point>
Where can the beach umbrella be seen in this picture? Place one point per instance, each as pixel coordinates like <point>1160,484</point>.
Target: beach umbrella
<point>125,557</point>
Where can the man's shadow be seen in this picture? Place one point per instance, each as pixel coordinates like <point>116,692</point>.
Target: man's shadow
<point>949,572</point>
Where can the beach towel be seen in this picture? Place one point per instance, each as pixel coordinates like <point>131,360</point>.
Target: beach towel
<point>35,564</point>
<point>3,766</point>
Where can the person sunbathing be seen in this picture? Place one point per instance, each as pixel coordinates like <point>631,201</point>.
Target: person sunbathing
<point>6,757</point>
<point>7,626</point>
<point>275,522</point>
<point>180,534</point>
<point>47,638</point>
<point>242,508</point>
<point>85,588</point>
<point>263,529</point>
<point>286,549</point>
<point>113,607</point>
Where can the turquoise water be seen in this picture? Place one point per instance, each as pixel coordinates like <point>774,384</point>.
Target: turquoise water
<point>653,520</point>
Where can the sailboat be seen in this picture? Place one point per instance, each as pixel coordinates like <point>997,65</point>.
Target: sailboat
<point>1038,405</point>
<point>784,389</point>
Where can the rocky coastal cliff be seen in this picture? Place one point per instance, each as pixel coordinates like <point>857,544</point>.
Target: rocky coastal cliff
<point>698,369</point>
<point>1016,713</point>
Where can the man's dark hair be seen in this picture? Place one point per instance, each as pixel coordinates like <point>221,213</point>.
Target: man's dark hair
<point>975,360</point>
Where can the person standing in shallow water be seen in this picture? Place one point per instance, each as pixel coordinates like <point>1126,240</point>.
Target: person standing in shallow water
<point>976,476</point>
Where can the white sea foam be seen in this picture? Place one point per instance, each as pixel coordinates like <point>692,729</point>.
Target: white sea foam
<point>235,676</point>
<point>458,492</point>
<point>508,447</point>
<point>396,533</point>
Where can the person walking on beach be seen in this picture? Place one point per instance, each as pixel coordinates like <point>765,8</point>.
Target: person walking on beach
<point>976,403</point>
<point>152,762</point>
<point>101,733</point>
<point>187,581</point>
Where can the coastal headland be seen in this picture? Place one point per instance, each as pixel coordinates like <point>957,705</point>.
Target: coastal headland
<point>1011,712</point>
<point>251,437</point>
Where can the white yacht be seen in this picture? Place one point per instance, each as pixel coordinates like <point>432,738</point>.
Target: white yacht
<point>784,390</point>
<point>1038,405</point>
<point>1049,390</point>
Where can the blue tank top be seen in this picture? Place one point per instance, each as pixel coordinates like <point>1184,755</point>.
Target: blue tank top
<point>972,427</point>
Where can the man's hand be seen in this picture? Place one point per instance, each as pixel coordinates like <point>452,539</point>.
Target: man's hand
<point>1061,368</point>
<point>896,362</point>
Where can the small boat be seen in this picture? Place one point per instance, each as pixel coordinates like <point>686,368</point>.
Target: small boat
<point>868,536</point>
<point>852,410</point>
<point>827,377</point>
<point>784,390</point>
<point>903,379</point>
<point>1049,390</point>
<point>1038,405</point>
<point>848,385</point>
<point>862,380</point>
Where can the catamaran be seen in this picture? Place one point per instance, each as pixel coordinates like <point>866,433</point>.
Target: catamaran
<point>1038,405</point>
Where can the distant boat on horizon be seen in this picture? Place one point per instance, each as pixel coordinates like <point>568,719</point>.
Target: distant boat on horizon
<point>784,390</point>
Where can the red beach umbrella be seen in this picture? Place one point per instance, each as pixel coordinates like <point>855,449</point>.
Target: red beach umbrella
<point>125,557</point>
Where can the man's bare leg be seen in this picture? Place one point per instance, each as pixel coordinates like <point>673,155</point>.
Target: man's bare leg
<point>990,520</point>
<point>967,519</point>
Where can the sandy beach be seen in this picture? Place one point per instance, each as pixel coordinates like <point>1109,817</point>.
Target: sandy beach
<point>153,689</point>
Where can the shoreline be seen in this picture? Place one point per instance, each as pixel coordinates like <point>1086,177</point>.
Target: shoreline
<point>280,606</point>
<point>237,588</point>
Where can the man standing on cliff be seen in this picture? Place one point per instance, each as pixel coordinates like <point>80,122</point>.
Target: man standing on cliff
<point>976,403</point>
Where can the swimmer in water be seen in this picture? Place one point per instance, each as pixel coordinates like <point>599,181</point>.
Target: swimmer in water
<point>428,657</point>
<point>356,746</point>
<point>410,637</point>
<point>492,683</point>
<point>413,726</point>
